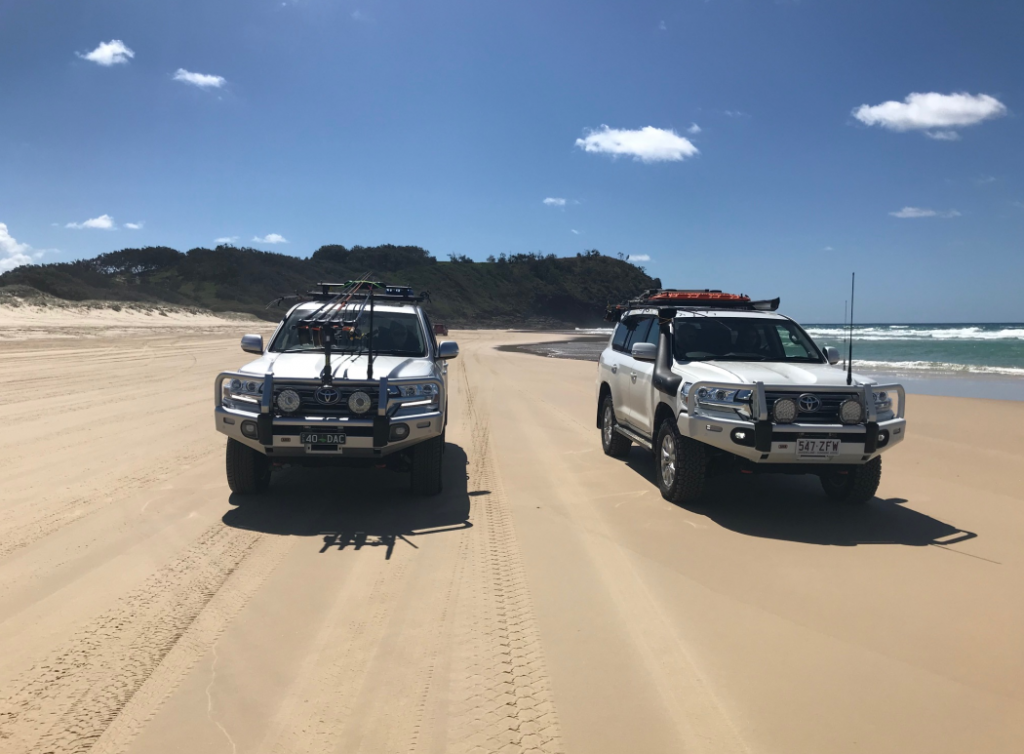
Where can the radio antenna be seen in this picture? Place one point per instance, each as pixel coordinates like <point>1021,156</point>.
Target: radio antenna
<point>849,353</point>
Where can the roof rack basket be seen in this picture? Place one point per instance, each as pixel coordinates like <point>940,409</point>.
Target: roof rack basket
<point>676,299</point>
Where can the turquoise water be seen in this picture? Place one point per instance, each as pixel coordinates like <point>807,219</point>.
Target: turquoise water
<point>931,350</point>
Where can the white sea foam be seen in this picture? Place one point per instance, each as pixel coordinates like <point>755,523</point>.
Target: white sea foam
<point>595,330</point>
<point>936,367</point>
<point>910,333</point>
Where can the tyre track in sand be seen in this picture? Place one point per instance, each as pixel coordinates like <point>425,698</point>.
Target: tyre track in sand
<point>101,686</point>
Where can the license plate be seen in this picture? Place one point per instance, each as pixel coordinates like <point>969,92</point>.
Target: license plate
<point>321,438</point>
<point>817,448</point>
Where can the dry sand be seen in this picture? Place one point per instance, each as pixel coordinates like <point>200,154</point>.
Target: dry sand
<point>549,600</point>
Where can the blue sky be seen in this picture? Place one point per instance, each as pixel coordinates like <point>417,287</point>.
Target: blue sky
<point>447,124</point>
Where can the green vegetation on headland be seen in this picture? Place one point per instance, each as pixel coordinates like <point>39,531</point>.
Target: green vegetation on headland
<point>524,290</point>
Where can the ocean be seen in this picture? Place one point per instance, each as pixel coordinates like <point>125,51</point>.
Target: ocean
<point>968,360</point>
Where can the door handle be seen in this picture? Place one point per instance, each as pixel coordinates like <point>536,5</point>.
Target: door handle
<point>615,368</point>
<point>633,376</point>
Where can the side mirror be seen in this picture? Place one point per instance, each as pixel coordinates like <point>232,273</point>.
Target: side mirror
<point>645,351</point>
<point>447,349</point>
<point>832,354</point>
<point>252,344</point>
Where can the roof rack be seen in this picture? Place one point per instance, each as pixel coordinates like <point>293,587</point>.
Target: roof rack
<point>362,288</point>
<point>675,299</point>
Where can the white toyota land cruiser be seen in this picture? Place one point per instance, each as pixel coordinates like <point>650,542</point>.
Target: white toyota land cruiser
<point>354,376</point>
<point>712,382</point>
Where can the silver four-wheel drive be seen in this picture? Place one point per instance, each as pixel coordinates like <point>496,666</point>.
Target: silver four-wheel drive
<point>712,382</point>
<point>353,376</point>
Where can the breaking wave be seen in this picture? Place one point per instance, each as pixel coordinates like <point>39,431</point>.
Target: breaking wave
<point>935,367</point>
<point>909,332</point>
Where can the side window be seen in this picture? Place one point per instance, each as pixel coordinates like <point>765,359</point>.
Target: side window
<point>638,333</point>
<point>655,331</point>
<point>619,338</point>
<point>430,331</point>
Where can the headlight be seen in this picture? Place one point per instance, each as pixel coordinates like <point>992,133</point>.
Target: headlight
<point>851,411</point>
<point>882,401</point>
<point>723,399</point>
<point>241,394</point>
<point>784,410</point>
<point>423,390</point>
<point>289,401</point>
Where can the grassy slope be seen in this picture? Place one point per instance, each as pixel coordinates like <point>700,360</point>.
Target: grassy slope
<point>527,291</point>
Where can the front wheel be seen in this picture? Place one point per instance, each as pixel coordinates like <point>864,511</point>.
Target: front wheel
<point>427,465</point>
<point>855,487</point>
<point>680,464</point>
<point>248,470</point>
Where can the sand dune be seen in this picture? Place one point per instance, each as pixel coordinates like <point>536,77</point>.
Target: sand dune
<point>549,600</point>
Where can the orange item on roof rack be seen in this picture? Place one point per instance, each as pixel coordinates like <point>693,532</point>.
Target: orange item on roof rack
<point>667,296</point>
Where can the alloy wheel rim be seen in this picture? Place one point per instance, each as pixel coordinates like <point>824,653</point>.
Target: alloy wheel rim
<point>668,460</point>
<point>606,425</point>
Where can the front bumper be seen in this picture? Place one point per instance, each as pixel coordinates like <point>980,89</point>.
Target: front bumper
<point>366,437</point>
<point>761,441</point>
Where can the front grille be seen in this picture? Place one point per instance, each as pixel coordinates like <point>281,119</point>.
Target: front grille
<point>311,407</point>
<point>827,413</point>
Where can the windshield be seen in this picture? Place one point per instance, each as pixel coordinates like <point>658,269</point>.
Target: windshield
<point>742,339</point>
<point>394,334</point>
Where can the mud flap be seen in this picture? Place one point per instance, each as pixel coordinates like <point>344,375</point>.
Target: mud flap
<point>381,431</point>
<point>265,429</point>
<point>763,436</point>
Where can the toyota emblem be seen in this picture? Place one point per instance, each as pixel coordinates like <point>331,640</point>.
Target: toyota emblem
<point>328,396</point>
<point>809,403</point>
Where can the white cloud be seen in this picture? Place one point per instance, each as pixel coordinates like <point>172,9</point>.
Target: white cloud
<point>694,129</point>
<point>639,257</point>
<point>202,80</point>
<point>103,222</point>
<point>663,26</point>
<point>574,231</point>
<point>225,240</point>
<point>736,113</point>
<point>12,253</point>
<point>943,135</point>
<point>108,53</point>
<point>931,110</point>
<point>554,201</point>
<point>828,248</point>
<point>647,144</point>
<point>135,226</point>
<point>270,238</point>
<point>358,15</point>
<point>916,212</point>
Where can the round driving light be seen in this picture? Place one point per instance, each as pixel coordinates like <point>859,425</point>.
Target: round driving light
<point>399,431</point>
<point>250,430</point>
<point>702,393</point>
<point>236,386</point>
<point>250,387</point>
<point>288,401</point>
<point>784,410</point>
<point>851,412</point>
<point>359,402</point>
<point>721,395</point>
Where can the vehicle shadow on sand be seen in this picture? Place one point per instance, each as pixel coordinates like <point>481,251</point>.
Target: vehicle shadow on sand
<point>353,508</point>
<point>794,508</point>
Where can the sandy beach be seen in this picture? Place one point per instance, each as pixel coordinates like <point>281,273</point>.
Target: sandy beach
<point>549,600</point>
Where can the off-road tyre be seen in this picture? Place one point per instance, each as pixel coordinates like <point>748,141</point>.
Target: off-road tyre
<point>248,469</point>
<point>614,444</point>
<point>427,466</point>
<point>680,464</point>
<point>856,487</point>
